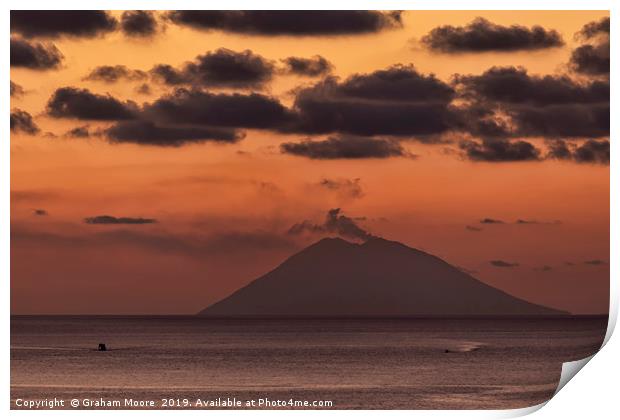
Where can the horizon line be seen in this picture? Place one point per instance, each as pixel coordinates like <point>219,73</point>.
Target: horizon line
<point>326,317</point>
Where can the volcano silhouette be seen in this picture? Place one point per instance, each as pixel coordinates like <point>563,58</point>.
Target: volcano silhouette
<point>379,278</point>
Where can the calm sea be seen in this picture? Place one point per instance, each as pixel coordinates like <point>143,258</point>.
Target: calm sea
<point>370,364</point>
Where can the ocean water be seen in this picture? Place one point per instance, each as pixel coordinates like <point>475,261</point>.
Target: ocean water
<point>354,364</point>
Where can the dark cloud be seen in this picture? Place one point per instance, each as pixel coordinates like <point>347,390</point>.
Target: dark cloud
<point>508,102</point>
<point>489,221</point>
<point>71,102</point>
<point>346,147</point>
<point>112,74</point>
<point>591,59</point>
<point>559,149</point>
<point>312,67</point>
<point>111,220</point>
<point>79,132</point>
<point>319,115</point>
<point>537,222</point>
<point>489,150</point>
<point>396,101</point>
<point>544,268</point>
<point>503,264</point>
<point>595,262</point>
<point>229,68</point>
<point>562,120</point>
<point>590,151</point>
<point>139,23</point>
<point>151,134</point>
<point>195,107</point>
<point>515,85</point>
<point>289,22</point>
<point>34,55</point>
<point>399,83</point>
<point>40,212</point>
<point>221,68</point>
<point>481,120</point>
<point>335,223</point>
<point>16,90</point>
<point>473,228</point>
<point>348,188</point>
<point>481,35</point>
<point>56,23</point>
<point>594,29</point>
<point>168,74</point>
<point>22,122</point>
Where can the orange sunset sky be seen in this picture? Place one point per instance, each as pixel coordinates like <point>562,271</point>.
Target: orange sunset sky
<point>204,173</point>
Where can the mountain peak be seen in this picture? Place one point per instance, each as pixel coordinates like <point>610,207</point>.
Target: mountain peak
<point>372,241</point>
<point>333,240</point>
<point>330,244</point>
<point>379,278</point>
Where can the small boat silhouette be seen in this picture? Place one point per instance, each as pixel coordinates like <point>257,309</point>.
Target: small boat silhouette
<point>102,347</point>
